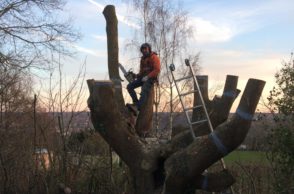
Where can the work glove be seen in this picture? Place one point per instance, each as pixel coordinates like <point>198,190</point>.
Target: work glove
<point>145,78</point>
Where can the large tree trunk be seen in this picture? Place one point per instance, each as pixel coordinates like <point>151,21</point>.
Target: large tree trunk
<point>177,166</point>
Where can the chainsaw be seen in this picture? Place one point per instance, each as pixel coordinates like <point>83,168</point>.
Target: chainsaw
<point>129,75</point>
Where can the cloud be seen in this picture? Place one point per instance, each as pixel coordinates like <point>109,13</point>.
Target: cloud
<point>100,6</point>
<point>100,37</point>
<point>225,28</point>
<point>82,11</point>
<point>258,64</point>
<point>119,17</point>
<point>93,52</point>
<point>125,21</point>
<point>261,64</point>
<point>221,22</point>
<point>207,31</point>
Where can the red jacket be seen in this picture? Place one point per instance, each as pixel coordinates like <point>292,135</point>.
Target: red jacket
<point>150,66</point>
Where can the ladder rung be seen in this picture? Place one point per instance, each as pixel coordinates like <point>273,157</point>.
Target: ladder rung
<point>187,77</point>
<point>191,108</point>
<point>184,94</point>
<point>197,122</point>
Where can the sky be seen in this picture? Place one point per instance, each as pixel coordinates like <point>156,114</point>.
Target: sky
<point>247,38</point>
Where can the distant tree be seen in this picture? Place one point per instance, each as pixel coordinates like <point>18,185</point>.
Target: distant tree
<point>30,31</point>
<point>281,138</point>
<point>32,35</point>
<point>165,25</point>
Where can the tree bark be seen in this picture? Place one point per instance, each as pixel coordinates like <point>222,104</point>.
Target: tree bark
<point>114,128</point>
<point>110,123</point>
<point>184,162</point>
<point>218,108</point>
<point>178,166</point>
<point>144,120</point>
<point>112,50</point>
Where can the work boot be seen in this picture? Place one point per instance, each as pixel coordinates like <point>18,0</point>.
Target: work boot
<point>133,108</point>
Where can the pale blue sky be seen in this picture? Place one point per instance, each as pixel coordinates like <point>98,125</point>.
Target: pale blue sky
<point>248,38</point>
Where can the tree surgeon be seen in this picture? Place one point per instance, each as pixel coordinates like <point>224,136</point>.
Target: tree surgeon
<point>147,76</point>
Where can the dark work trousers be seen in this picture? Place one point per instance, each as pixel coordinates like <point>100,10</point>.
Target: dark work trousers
<point>146,86</point>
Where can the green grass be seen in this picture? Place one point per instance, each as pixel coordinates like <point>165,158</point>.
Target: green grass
<point>247,158</point>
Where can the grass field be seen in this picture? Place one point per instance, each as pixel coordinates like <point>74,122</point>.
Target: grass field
<point>247,157</point>
<point>251,170</point>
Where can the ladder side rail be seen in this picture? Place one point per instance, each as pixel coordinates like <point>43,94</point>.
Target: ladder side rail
<point>186,113</point>
<point>201,99</point>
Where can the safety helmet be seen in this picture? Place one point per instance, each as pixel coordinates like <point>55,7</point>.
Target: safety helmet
<point>145,45</point>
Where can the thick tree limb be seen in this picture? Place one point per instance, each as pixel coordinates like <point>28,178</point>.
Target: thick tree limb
<point>113,127</point>
<point>205,150</point>
<point>218,108</point>
<point>112,48</point>
<point>144,120</point>
<point>111,124</point>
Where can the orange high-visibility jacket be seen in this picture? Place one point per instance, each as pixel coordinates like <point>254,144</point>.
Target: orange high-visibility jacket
<point>150,66</point>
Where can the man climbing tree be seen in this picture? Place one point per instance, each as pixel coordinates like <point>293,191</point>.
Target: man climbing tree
<point>147,76</point>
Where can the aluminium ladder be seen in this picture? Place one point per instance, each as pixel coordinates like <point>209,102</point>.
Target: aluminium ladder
<point>201,105</point>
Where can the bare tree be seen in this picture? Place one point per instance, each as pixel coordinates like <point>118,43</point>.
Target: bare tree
<point>30,30</point>
<point>15,131</point>
<point>30,34</point>
<point>165,26</point>
<point>177,166</point>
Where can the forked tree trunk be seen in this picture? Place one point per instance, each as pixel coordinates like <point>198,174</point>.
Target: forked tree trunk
<point>177,166</point>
